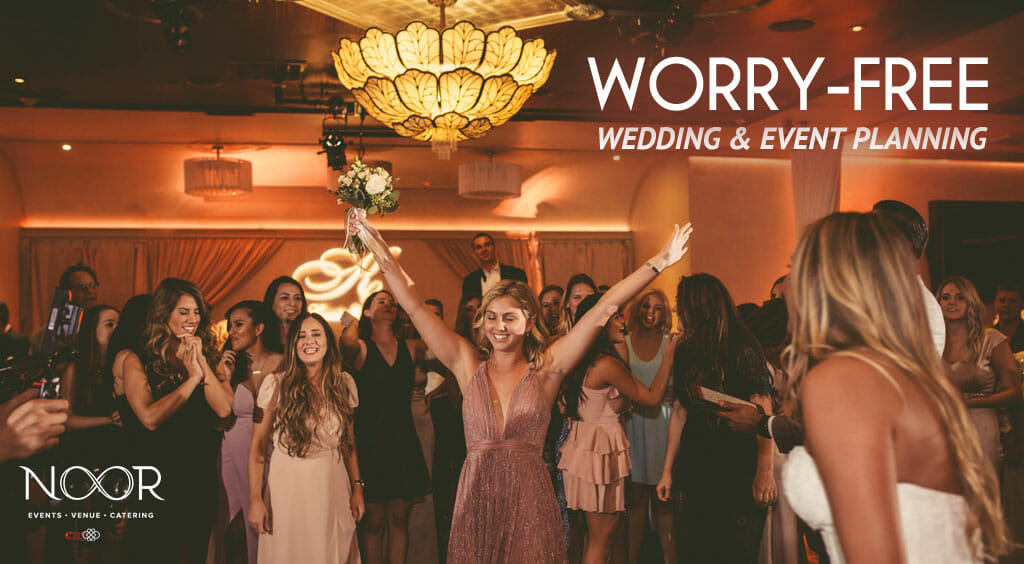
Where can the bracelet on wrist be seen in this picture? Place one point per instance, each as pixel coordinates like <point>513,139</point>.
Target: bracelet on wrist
<point>655,269</point>
<point>361,483</point>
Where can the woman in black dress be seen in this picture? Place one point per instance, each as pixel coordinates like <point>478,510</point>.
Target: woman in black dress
<point>390,458</point>
<point>176,396</point>
<point>721,480</point>
<point>286,298</point>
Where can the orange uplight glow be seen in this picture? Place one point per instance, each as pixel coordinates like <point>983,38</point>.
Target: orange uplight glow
<point>388,224</point>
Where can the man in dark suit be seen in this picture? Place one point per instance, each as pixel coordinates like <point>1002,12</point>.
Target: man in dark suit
<point>490,272</point>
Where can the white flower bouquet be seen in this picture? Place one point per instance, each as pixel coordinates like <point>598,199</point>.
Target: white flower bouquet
<point>368,189</point>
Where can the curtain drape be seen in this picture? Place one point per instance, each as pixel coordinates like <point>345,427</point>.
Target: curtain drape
<point>129,266</point>
<point>523,252</point>
<point>815,185</point>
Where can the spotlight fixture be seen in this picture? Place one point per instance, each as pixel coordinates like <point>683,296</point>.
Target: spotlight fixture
<point>334,145</point>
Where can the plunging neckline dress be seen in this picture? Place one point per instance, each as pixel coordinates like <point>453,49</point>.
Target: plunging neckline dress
<point>505,509</point>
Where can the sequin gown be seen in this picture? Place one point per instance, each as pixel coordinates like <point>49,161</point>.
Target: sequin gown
<point>505,509</point>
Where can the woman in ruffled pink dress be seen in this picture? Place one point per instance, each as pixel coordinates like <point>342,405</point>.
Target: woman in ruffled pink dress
<point>505,508</point>
<point>595,458</point>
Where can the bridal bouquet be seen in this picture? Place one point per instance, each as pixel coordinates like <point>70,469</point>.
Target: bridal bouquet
<point>368,189</point>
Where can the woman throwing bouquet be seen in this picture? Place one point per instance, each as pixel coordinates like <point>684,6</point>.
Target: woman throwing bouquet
<point>505,507</point>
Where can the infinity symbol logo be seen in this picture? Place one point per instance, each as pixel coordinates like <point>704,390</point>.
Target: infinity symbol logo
<point>95,482</point>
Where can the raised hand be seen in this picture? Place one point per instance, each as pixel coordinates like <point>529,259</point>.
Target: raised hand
<point>674,249</point>
<point>227,364</point>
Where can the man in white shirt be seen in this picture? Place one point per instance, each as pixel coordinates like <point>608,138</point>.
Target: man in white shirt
<point>490,271</point>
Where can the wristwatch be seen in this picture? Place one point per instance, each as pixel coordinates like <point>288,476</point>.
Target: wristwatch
<point>360,483</point>
<point>762,427</point>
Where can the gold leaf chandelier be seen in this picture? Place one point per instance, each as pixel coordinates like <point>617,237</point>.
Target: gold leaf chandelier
<point>442,86</point>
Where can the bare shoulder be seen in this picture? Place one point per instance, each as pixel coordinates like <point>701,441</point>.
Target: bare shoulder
<point>862,384</point>
<point>606,370</point>
<point>129,358</point>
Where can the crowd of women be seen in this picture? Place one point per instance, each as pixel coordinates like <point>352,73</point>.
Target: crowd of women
<point>575,428</point>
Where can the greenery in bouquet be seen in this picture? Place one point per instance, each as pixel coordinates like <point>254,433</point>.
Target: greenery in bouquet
<point>368,189</point>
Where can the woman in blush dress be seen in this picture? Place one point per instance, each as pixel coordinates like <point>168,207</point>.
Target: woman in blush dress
<point>286,298</point>
<point>252,353</point>
<point>595,461</point>
<point>983,365</point>
<point>505,508</point>
<point>314,490</point>
<point>174,392</point>
<point>892,470</point>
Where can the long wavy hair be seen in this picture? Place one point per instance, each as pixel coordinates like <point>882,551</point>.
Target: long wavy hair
<point>572,393</point>
<point>975,328</point>
<point>566,322</point>
<point>270,338</point>
<point>711,330</point>
<point>854,285</point>
<point>635,313</point>
<point>271,293</point>
<point>89,364</point>
<point>163,370</point>
<point>535,340</point>
<point>300,407</point>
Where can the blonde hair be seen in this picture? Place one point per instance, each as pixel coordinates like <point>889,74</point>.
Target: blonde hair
<point>853,284</point>
<point>635,312</point>
<point>536,339</point>
<point>975,328</point>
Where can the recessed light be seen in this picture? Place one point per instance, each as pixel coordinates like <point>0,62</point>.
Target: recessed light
<point>65,147</point>
<point>19,80</point>
<point>856,28</point>
<point>616,157</point>
<point>426,183</point>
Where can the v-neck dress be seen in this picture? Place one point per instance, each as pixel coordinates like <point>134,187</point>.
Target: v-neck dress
<point>505,509</point>
<point>390,458</point>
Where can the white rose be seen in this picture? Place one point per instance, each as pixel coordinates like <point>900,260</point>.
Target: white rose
<point>376,184</point>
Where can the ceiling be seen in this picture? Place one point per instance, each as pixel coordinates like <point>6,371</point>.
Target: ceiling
<point>257,76</point>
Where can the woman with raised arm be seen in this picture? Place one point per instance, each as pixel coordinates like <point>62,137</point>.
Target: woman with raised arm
<point>892,471</point>
<point>595,460</point>
<point>173,390</point>
<point>314,489</point>
<point>505,508</point>
<point>390,458</point>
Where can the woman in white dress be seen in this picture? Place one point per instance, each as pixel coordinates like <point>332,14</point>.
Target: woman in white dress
<point>892,471</point>
<point>314,490</point>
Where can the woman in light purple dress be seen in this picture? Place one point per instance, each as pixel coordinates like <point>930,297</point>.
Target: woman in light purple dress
<point>253,352</point>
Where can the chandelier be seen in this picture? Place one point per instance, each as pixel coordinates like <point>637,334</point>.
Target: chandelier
<point>217,177</point>
<point>442,86</point>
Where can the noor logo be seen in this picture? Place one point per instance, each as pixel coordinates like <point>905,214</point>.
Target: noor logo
<point>120,485</point>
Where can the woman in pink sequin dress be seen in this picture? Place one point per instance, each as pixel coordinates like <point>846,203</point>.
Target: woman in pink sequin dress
<point>505,508</point>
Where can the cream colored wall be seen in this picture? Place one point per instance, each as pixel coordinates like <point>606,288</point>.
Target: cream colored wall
<point>662,199</point>
<point>742,213</point>
<point>11,215</point>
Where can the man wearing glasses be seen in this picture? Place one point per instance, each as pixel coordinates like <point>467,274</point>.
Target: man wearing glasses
<point>82,282</point>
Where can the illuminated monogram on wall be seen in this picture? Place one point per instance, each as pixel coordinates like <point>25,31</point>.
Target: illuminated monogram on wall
<point>338,281</point>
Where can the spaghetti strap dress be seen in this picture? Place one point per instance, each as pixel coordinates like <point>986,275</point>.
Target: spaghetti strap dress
<point>505,509</point>
<point>390,457</point>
